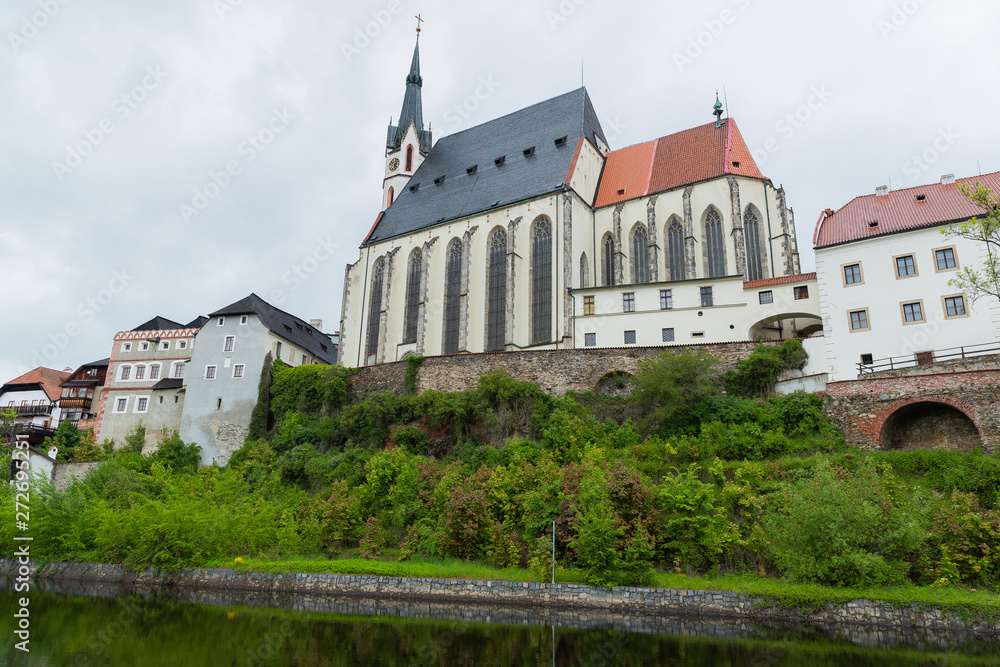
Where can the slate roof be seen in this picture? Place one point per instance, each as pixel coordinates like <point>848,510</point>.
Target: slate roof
<point>168,383</point>
<point>285,325</point>
<point>519,178</point>
<point>196,323</point>
<point>675,160</point>
<point>47,379</point>
<point>900,211</point>
<point>159,324</point>
<point>413,109</point>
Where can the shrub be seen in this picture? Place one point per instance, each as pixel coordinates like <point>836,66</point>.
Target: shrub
<point>756,375</point>
<point>178,456</point>
<point>596,545</point>
<point>669,386</point>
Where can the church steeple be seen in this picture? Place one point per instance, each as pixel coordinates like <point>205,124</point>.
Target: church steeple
<point>407,142</point>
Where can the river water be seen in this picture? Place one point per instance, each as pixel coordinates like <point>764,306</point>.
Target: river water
<point>98,624</point>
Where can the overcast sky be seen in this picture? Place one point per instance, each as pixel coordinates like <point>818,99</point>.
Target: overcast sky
<point>169,158</point>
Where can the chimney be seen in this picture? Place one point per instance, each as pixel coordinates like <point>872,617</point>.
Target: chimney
<point>881,190</point>
<point>947,179</point>
<point>318,324</point>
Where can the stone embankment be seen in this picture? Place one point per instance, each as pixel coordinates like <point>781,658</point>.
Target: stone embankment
<point>624,599</point>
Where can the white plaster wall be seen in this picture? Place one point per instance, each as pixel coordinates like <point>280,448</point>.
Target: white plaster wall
<point>882,294</point>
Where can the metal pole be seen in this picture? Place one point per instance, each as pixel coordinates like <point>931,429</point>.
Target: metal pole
<point>553,553</point>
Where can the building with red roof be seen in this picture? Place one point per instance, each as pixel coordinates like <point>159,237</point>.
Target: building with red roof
<point>886,269</point>
<point>34,396</point>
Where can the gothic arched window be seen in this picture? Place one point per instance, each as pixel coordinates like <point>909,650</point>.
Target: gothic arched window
<point>675,250</point>
<point>541,281</point>
<point>413,295</point>
<point>452,296</point>
<point>496,290</point>
<point>388,197</point>
<point>608,259</point>
<point>409,158</point>
<point>584,271</point>
<point>755,258</point>
<point>640,255</point>
<point>375,307</point>
<point>714,244</point>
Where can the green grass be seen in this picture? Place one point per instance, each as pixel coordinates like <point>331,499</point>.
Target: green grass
<point>966,601</point>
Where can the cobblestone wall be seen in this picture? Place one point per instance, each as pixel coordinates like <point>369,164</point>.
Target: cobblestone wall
<point>647,602</point>
<point>555,371</point>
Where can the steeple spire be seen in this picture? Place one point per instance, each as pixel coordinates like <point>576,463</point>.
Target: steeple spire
<point>718,110</point>
<point>412,111</point>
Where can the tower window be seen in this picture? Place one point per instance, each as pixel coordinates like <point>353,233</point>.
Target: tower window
<point>409,158</point>
<point>388,197</point>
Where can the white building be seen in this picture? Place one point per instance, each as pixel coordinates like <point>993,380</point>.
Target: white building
<point>490,239</point>
<point>883,268</point>
<point>34,397</point>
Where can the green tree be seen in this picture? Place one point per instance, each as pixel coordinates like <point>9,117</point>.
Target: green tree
<point>668,387</point>
<point>67,438</point>
<point>135,439</point>
<point>984,229</point>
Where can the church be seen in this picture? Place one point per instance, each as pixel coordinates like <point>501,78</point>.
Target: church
<point>529,232</point>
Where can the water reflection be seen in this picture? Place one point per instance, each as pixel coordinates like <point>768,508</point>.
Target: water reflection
<point>97,624</point>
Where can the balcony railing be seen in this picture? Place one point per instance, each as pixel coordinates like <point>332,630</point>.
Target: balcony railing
<point>75,403</point>
<point>925,358</point>
<point>29,410</point>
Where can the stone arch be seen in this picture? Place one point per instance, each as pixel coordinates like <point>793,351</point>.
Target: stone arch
<point>785,325</point>
<point>614,383</point>
<point>928,422</point>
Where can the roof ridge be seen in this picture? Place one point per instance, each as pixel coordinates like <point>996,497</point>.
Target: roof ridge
<point>515,112</point>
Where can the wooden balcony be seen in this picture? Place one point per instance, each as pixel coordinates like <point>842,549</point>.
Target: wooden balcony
<point>29,410</point>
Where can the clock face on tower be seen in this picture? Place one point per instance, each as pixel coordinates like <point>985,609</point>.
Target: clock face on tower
<point>394,164</point>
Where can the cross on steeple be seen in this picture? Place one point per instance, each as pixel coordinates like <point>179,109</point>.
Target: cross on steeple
<point>419,21</point>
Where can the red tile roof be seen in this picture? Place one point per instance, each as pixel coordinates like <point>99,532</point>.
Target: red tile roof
<point>670,162</point>
<point>780,280</point>
<point>899,211</point>
<point>48,378</point>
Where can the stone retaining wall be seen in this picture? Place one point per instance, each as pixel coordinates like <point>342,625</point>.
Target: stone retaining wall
<point>625,600</point>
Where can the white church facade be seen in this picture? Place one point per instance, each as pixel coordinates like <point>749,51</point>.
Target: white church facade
<point>528,232</point>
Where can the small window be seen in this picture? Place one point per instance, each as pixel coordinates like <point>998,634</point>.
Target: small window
<point>161,400</point>
<point>944,259</point>
<point>913,312</point>
<point>590,340</point>
<point>668,335</point>
<point>140,372</point>
<point>867,359</point>
<point>303,360</point>
<point>221,321</point>
<point>154,372</point>
<point>766,296</point>
<point>165,345</point>
<point>528,152</point>
<point>277,351</point>
<point>859,320</point>
<point>238,370</point>
<point>144,346</point>
<point>178,370</point>
<point>561,141</point>
<point>500,160</point>
<point>852,274</point>
<point>954,306</point>
<point>126,347</point>
<point>218,404</point>
<point>905,266</point>
<point>588,305</point>
<point>182,345</point>
<point>697,334</point>
<point>706,297</point>
<point>121,405</point>
<point>229,344</point>
<point>666,299</point>
<point>141,404</point>
<point>630,337</point>
<point>176,399</point>
<point>243,319</point>
<point>628,302</point>
<point>801,292</point>
<point>210,372</point>
<point>126,372</point>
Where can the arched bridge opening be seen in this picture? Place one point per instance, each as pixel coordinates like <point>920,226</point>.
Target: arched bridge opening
<point>929,425</point>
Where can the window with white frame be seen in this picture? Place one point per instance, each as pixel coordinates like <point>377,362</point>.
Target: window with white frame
<point>238,370</point>
<point>121,405</point>
<point>182,345</point>
<point>126,347</point>
<point>243,319</point>
<point>165,345</point>
<point>210,372</point>
<point>221,321</point>
<point>125,373</point>
<point>154,372</point>
<point>142,404</point>
<point>144,346</point>
<point>229,344</point>
<point>178,369</point>
<point>666,299</point>
<point>628,302</point>
<point>140,372</point>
